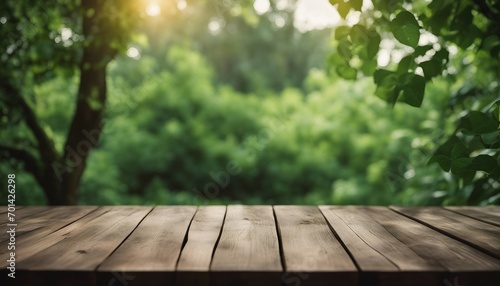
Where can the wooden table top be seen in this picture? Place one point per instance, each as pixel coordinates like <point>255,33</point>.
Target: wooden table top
<point>252,245</point>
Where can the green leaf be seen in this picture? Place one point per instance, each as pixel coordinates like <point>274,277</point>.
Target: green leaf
<point>440,16</point>
<point>369,67</point>
<point>345,49</point>
<point>468,36</point>
<point>460,166</point>
<point>479,194</point>
<point>343,9</point>
<point>443,154</point>
<point>467,176</point>
<point>459,151</point>
<point>443,161</point>
<point>490,42</point>
<point>359,35</point>
<point>495,173</point>
<point>463,20</point>
<point>431,68</point>
<point>442,55</point>
<point>478,122</point>
<point>490,138</point>
<point>405,29</point>
<point>356,4</point>
<point>421,50</point>
<point>334,2</point>
<point>413,90</point>
<point>435,5</point>
<point>387,85</point>
<point>347,72</point>
<point>484,163</point>
<point>495,52</point>
<point>342,32</point>
<point>332,60</point>
<point>373,45</point>
<point>495,145</point>
<point>390,95</point>
<point>406,64</point>
<point>381,74</point>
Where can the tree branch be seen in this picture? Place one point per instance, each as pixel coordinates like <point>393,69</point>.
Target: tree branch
<point>45,147</point>
<point>30,162</point>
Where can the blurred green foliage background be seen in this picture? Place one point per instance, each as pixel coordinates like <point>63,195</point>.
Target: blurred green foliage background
<point>207,106</point>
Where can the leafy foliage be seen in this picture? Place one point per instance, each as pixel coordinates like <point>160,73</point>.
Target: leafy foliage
<point>170,139</point>
<point>458,29</point>
<point>244,113</point>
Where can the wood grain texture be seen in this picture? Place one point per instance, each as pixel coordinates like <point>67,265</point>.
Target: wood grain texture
<point>463,262</point>
<point>154,246</point>
<point>40,226</point>
<point>471,231</point>
<point>371,245</point>
<point>194,262</point>
<point>4,209</point>
<point>489,214</point>
<point>30,245</point>
<point>87,247</point>
<point>248,249</point>
<point>382,257</point>
<point>309,246</point>
<point>255,245</point>
<point>79,248</point>
<point>157,240</point>
<point>24,212</point>
<point>54,219</point>
<point>433,245</point>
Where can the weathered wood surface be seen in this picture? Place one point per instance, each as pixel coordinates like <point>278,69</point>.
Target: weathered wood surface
<point>253,245</point>
<point>248,249</point>
<point>486,214</point>
<point>479,234</point>
<point>194,262</point>
<point>308,245</point>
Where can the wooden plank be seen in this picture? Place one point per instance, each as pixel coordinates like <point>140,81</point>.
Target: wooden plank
<point>194,262</point>
<point>248,249</point>
<point>40,226</point>
<point>151,252</point>
<point>489,214</point>
<point>30,245</point>
<point>309,246</point>
<point>19,215</point>
<point>83,248</point>
<point>4,209</point>
<point>433,245</point>
<point>388,247</point>
<point>382,258</point>
<point>372,246</point>
<point>463,262</point>
<point>479,234</point>
<point>80,252</point>
<point>46,222</point>
<point>24,212</point>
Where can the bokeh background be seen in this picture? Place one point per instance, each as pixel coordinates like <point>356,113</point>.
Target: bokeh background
<point>215,102</point>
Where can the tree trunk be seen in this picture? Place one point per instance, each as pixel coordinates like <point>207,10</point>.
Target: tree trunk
<point>86,126</point>
<point>60,177</point>
<point>85,130</point>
